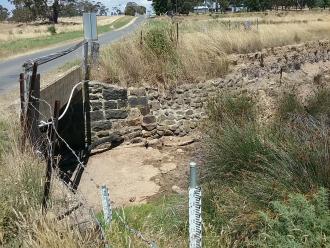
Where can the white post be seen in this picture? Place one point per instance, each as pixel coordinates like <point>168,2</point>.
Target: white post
<point>195,209</point>
<point>107,211</point>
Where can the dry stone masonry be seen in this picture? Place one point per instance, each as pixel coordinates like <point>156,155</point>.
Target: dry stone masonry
<point>139,113</point>
<point>135,114</point>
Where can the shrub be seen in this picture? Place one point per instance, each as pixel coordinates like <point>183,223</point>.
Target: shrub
<point>51,30</point>
<point>299,222</point>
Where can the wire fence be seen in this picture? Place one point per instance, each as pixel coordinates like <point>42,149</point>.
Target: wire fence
<point>79,203</point>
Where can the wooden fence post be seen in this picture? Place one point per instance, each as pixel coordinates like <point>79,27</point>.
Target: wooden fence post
<point>50,156</point>
<point>22,112</point>
<point>177,33</point>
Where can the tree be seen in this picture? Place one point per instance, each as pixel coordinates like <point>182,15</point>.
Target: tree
<point>4,13</point>
<point>132,8</point>
<point>224,4</point>
<point>161,6</point>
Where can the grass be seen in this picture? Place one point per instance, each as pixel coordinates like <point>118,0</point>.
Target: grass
<point>13,47</point>
<point>21,189</point>
<point>204,44</point>
<point>251,166</point>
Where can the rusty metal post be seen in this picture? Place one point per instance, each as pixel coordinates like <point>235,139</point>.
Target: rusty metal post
<point>50,156</point>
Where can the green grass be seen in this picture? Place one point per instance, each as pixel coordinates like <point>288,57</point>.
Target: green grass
<point>249,166</point>
<point>22,45</point>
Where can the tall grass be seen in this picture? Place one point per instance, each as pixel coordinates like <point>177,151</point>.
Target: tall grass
<point>158,58</point>
<point>250,165</point>
<point>203,46</point>
<point>21,190</point>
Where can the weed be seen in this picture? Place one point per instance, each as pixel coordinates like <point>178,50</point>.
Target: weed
<point>298,222</point>
<point>51,30</point>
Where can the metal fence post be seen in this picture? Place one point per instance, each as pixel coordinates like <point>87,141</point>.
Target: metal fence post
<point>195,209</point>
<point>107,211</point>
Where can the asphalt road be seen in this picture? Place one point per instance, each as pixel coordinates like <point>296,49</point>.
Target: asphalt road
<point>10,69</point>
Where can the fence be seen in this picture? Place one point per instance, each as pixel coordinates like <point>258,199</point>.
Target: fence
<point>41,115</point>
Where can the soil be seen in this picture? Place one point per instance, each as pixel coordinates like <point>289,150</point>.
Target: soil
<point>134,174</point>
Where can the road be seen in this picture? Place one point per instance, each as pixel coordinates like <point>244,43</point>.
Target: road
<point>10,69</point>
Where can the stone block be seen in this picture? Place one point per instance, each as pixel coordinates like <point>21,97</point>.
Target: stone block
<point>144,110</point>
<point>149,119</point>
<point>113,93</point>
<point>111,104</point>
<point>96,105</point>
<point>116,114</point>
<point>122,103</point>
<point>96,115</point>
<point>135,101</point>
<point>149,127</point>
<point>101,125</point>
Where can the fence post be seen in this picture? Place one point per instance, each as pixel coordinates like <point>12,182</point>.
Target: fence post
<point>50,156</point>
<point>141,38</point>
<point>177,33</point>
<point>85,61</point>
<point>107,211</point>
<point>195,209</point>
<point>95,50</point>
<point>22,112</point>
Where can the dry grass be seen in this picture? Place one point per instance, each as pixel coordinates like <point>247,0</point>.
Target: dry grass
<point>21,189</point>
<point>13,31</point>
<point>204,43</point>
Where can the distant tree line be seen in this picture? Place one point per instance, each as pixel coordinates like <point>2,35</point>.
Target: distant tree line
<point>133,8</point>
<point>31,10</point>
<point>185,6</point>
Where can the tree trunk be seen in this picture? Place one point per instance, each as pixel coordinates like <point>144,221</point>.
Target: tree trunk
<point>56,10</point>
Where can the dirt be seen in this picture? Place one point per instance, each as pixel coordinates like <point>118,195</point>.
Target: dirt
<point>135,174</point>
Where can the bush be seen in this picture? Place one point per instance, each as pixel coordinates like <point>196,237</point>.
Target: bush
<point>259,164</point>
<point>51,30</point>
<point>299,222</point>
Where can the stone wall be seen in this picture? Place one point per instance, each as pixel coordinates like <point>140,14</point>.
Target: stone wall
<point>139,113</point>
<point>135,114</point>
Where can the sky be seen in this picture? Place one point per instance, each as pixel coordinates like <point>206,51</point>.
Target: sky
<point>109,3</point>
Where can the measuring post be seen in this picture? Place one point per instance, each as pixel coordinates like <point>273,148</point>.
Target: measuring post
<point>195,209</point>
<point>106,204</point>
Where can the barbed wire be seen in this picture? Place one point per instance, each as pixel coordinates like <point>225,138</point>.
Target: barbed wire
<point>134,231</point>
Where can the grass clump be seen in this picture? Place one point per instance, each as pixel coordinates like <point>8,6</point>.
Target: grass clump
<point>249,166</point>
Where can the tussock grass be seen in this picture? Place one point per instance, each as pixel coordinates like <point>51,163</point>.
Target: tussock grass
<point>248,165</point>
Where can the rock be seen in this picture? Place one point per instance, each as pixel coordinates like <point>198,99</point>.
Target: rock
<point>167,167</point>
<point>189,112</point>
<point>134,101</point>
<point>122,103</point>
<point>116,114</point>
<point>177,189</point>
<point>96,105</point>
<point>114,93</point>
<point>111,104</point>
<point>149,127</point>
<point>148,119</point>
<point>96,115</point>
<point>101,125</point>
